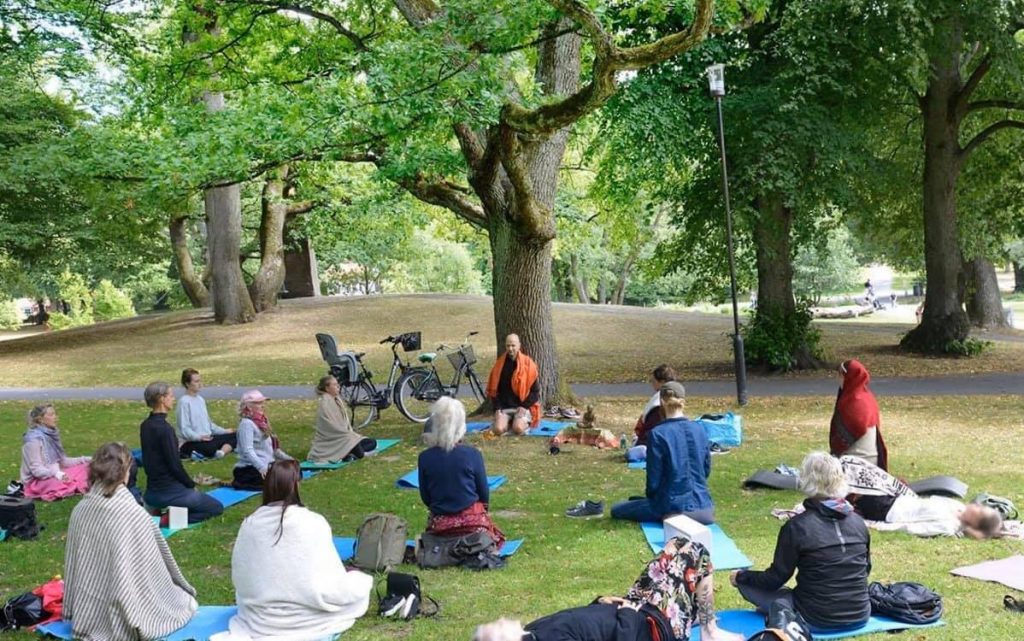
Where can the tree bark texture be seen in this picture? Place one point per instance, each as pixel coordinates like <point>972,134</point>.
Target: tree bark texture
<point>1018,278</point>
<point>579,282</point>
<point>191,282</point>
<point>984,305</point>
<point>274,212</point>
<point>229,295</point>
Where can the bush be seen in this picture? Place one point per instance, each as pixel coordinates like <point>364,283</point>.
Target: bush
<point>967,347</point>
<point>781,341</point>
<point>71,288</point>
<point>110,303</point>
<point>9,318</point>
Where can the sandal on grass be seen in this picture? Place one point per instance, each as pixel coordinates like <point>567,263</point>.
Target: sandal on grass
<point>1013,604</point>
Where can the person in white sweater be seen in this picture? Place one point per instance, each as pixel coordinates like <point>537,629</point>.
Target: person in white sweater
<point>258,446</point>
<point>290,584</point>
<point>196,431</point>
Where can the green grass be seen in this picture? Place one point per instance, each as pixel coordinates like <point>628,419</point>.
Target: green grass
<point>566,563</point>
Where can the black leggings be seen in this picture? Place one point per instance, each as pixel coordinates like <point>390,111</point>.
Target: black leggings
<point>360,450</point>
<point>208,448</point>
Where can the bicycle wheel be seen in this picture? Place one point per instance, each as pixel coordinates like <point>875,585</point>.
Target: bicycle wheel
<point>415,392</point>
<point>475,386</point>
<point>361,400</point>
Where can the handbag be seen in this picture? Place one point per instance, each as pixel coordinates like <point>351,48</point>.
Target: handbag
<point>21,611</point>
<point>403,598</point>
<point>433,551</point>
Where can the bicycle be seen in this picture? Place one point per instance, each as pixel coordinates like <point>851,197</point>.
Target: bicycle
<point>419,387</point>
<point>363,398</point>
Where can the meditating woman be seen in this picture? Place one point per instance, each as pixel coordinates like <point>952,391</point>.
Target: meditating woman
<point>47,472</point>
<point>334,439</point>
<point>678,466</point>
<point>879,496</point>
<point>674,593</point>
<point>453,481</point>
<point>167,483</point>
<point>120,581</point>
<point>197,432</point>
<point>829,549</point>
<point>258,447</point>
<point>652,414</point>
<point>856,424</point>
<point>289,583</point>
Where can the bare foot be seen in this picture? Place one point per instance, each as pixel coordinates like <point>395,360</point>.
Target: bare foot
<point>715,633</point>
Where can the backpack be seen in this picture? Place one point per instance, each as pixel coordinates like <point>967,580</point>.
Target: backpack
<point>905,601</point>
<point>433,551</point>
<point>380,542</point>
<point>21,611</point>
<point>18,517</point>
<point>1005,507</point>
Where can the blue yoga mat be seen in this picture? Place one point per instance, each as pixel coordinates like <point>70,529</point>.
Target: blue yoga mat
<point>724,553</point>
<point>346,547</point>
<point>547,427</point>
<point>382,444</point>
<point>411,481</point>
<point>637,465</point>
<point>206,622</point>
<point>477,426</point>
<point>749,622</point>
<point>229,496</point>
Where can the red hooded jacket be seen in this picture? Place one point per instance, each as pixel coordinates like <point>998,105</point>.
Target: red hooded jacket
<point>856,411</point>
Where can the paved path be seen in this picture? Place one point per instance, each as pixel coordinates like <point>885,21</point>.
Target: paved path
<point>989,384</point>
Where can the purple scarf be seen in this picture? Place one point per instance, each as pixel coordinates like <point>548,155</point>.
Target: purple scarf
<point>53,451</point>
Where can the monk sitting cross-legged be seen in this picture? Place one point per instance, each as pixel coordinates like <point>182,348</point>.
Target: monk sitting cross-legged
<point>514,390</point>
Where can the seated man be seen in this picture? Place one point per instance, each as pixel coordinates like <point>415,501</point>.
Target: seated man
<point>196,431</point>
<point>514,389</point>
<point>652,414</point>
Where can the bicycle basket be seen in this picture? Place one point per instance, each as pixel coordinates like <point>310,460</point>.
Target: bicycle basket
<point>410,341</point>
<point>465,352</point>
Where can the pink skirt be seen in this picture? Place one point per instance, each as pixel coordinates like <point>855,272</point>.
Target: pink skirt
<point>51,489</point>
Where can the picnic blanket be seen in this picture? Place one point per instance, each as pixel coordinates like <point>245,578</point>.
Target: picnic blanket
<point>749,622</point>
<point>725,555</point>
<point>206,622</point>
<point>1008,571</point>
<point>346,547</point>
<point>411,481</point>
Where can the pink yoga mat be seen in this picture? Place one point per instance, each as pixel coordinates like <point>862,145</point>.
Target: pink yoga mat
<point>1009,571</point>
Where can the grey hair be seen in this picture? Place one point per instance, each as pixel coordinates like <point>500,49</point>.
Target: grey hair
<point>155,391</point>
<point>447,422</point>
<point>37,412</point>
<point>821,476</point>
<point>500,630</point>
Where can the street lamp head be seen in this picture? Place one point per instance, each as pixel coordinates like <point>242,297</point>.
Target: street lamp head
<point>716,79</point>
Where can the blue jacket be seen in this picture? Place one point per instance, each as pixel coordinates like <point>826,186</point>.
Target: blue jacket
<point>678,466</point>
<point>452,481</point>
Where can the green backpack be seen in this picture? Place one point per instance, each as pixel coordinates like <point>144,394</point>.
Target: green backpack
<point>380,542</point>
<point>1005,507</point>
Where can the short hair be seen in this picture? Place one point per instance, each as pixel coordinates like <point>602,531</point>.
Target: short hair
<point>109,467</point>
<point>155,391</point>
<point>447,422</point>
<point>664,373</point>
<point>37,412</point>
<point>282,484</point>
<point>321,386</point>
<point>990,524</point>
<point>186,376</point>
<point>821,476</point>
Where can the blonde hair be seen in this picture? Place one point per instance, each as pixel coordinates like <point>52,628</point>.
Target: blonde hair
<point>821,477</point>
<point>37,412</point>
<point>500,630</point>
<point>447,423</point>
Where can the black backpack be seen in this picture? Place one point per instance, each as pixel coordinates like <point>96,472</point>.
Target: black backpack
<point>905,601</point>
<point>18,517</point>
<point>21,611</point>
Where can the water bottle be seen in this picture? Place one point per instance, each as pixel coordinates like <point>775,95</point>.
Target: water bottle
<point>623,444</point>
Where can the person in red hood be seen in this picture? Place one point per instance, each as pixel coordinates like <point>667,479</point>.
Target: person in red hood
<point>856,428</point>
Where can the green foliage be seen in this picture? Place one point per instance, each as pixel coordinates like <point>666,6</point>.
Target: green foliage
<point>111,303</point>
<point>72,289</point>
<point>827,266</point>
<point>776,339</point>
<point>967,347</point>
<point>436,265</point>
<point>9,318</point>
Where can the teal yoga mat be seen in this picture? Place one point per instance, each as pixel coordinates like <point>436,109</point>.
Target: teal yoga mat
<point>207,621</point>
<point>547,427</point>
<point>725,555</point>
<point>346,547</point>
<point>411,481</point>
<point>382,444</point>
<point>749,622</point>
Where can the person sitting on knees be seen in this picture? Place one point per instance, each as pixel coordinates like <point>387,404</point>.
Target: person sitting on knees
<point>121,582</point>
<point>674,593</point>
<point>678,466</point>
<point>167,483</point>
<point>334,439</point>
<point>652,415</point>
<point>829,549</point>
<point>289,583</point>
<point>856,427</point>
<point>195,429</point>
<point>514,390</point>
<point>258,446</point>
<point>453,481</point>
<point>47,472</point>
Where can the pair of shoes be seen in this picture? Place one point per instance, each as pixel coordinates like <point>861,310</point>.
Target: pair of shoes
<point>553,412</point>
<point>718,449</point>
<point>196,456</point>
<point>16,489</point>
<point>570,412</point>
<point>398,607</point>
<point>586,509</point>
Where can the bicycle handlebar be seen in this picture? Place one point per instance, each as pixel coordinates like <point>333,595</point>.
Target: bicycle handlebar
<point>389,339</point>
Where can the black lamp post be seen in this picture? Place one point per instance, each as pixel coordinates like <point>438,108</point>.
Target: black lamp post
<point>716,82</point>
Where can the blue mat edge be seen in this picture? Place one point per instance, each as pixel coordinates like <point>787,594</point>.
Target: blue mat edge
<point>751,622</point>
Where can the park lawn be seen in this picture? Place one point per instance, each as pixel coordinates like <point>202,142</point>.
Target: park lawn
<point>565,562</point>
<point>595,344</point>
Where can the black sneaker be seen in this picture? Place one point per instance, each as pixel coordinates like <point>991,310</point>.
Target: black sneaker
<point>586,509</point>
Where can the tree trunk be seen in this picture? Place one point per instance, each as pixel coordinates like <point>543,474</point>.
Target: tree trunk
<point>602,291</point>
<point>579,283</point>
<point>984,305</point>
<point>619,294</point>
<point>191,282</point>
<point>1018,278</point>
<point>274,212</point>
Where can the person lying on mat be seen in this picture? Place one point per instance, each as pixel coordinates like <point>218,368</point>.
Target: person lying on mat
<point>258,446</point>
<point>652,415</point>
<point>289,582</point>
<point>334,439</point>
<point>856,425</point>
<point>678,466</point>
<point>196,431</point>
<point>47,472</point>
<point>110,535</point>
<point>167,483</point>
<point>674,593</point>
<point>828,547</point>
<point>879,496</point>
<point>514,389</point>
<point>453,480</point>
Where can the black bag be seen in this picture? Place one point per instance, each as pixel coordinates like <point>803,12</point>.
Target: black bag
<point>783,623</point>
<point>404,598</point>
<point>434,551</point>
<point>246,478</point>
<point>905,601</point>
<point>21,611</point>
<point>18,517</point>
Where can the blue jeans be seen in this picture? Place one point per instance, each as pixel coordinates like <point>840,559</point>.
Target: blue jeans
<point>640,510</point>
<point>200,506</point>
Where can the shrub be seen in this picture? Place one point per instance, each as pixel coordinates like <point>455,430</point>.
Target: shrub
<point>9,318</point>
<point>967,347</point>
<point>71,288</point>
<point>782,341</point>
<point>110,303</point>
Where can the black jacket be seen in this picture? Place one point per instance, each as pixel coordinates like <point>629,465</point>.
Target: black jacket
<point>160,456</point>
<point>829,548</point>
<point>597,622</point>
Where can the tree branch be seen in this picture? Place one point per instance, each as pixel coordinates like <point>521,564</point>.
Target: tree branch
<point>452,197</point>
<point>338,26</point>
<point>994,104</point>
<point>973,81</point>
<point>985,133</point>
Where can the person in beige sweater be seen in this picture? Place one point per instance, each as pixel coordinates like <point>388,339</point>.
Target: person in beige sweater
<point>334,439</point>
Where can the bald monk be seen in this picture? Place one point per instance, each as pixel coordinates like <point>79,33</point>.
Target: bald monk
<point>514,390</point>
